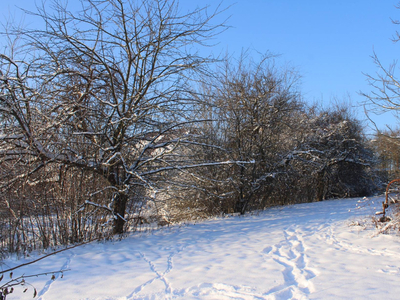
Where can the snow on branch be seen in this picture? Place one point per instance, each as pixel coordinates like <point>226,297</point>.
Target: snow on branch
<point>229,162</point>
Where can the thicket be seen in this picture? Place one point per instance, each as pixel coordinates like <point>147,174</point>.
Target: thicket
<point>110,123</point>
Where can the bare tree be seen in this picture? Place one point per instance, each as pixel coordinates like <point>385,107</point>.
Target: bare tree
<point>107,90</point>
<point>384,97</point>
<point>255,104</point>
<point>333,151</point>
<point>386,146</point>
<point>385,84</point>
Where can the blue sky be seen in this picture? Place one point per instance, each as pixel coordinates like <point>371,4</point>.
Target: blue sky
<point>328,42</point>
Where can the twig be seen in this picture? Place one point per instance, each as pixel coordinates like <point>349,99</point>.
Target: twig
<point>47,255</point>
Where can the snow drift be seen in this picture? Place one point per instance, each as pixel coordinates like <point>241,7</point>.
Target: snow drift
<point>324,250</point>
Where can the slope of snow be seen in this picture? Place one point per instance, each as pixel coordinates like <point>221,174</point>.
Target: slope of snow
<point>306,251</point>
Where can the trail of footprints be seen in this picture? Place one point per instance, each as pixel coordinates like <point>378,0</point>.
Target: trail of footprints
<point>331,239</point>
<point>296,274</point>
<point>289,253</point>
<point>158,275</point>
<point>48,284</point>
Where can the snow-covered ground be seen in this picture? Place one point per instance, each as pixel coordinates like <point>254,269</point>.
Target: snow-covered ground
<point>322,250</point>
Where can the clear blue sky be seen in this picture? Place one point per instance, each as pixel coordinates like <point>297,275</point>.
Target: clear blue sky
<point>328,42</point>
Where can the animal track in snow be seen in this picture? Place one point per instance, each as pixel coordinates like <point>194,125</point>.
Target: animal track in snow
<point>332,239</point>
<point>46,287</point>
<point>221,291</point>
<point>290,253</point>
<point>159,275</point>
<point>392,270</point>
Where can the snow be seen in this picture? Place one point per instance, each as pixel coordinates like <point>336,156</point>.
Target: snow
<point>324,250</point>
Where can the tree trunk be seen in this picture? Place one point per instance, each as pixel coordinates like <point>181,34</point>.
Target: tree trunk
<point>120,201</point>
<point>240,206</point>
<point>320,185</point>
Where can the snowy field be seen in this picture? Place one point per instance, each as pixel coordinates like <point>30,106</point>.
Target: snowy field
<point>325,250</point>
